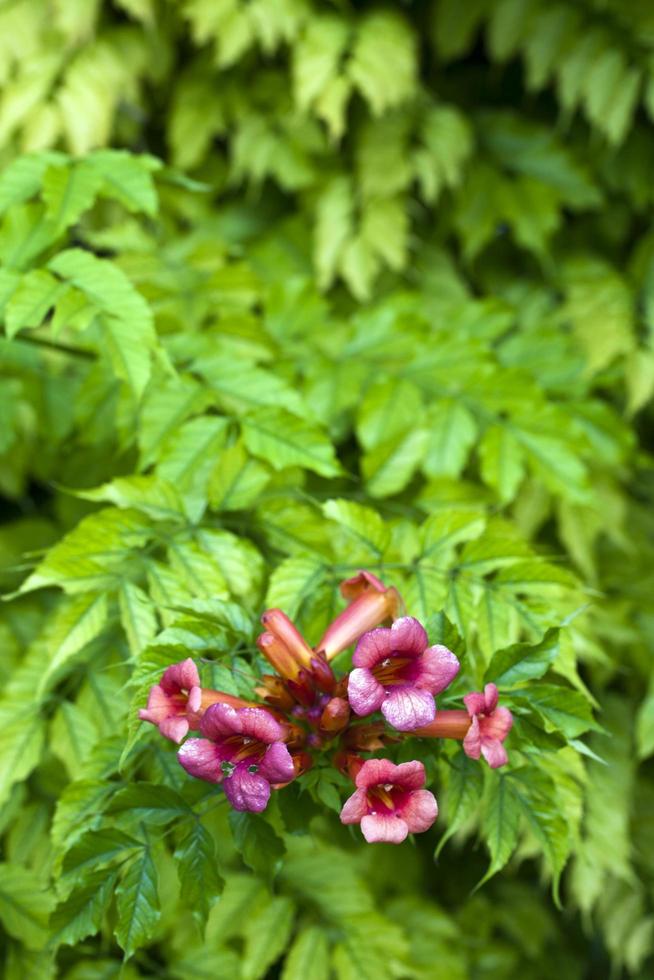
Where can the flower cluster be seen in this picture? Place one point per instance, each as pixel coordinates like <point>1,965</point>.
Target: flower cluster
<point>305,708</point>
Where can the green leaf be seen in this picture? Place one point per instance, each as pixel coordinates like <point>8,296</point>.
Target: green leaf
<point>520,662</point>
<point>452,434</point>
<point>77,623</point>
<point>283,440</point>
<point>502,462</point>
<point>126,318</point>
<point>137,616</point>
<point>362,525</point>
<point>389,467</point>
<point>80,915</point>
<point>383,62</point>
<point>148,803</point>
<point>500,821</point>
<point>237,480</point>
<point>126,177</point>
<point>259,845</point>
<point>266,937</point>
<point>94,554</point>
<point>561,708</point>
<point>294,581</point>
<point>388,410</point>
<point>308,957</point>
<point>137,904</point>
<point>68,191</point>
<point>24,905</point>
<point>21,180</point>
<point>537,796</point>
<point>464,785</point>
<point>96,848</point>
<point>29,305</point>
<point>22,741</point>
<point>196,862</point>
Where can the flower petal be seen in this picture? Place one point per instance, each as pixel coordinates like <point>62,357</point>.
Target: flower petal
<point>180,676</point>
<point>406,708</point>
<point>438,667</point>
<point>472,740</point>
<point>419,811</point>
<point>174,728</point>
<point>364,692</point>
<point>375,771</point>
<point>384,829</point>
<point>194,702</point>
<point>490,696</point>
<point>373,647</point>
<point>355,807</point>
<point>159,706</point>
<point>260,724</point>
<point>496,725</point>
<point>353,587</point>
<point>277,764</point>
<point>247,790</point>
<point>494,752</point>
<point>202,759</point>
<point>410,775</point>
<point>408,636</point>
<point>475,703</point>
<point>220,721</point>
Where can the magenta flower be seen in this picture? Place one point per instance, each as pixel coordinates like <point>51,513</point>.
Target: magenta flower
<point>489,727</point>
<point>390,801</point>
<point>396,671</point>
<point>243,750</point>
<point>169,702</point>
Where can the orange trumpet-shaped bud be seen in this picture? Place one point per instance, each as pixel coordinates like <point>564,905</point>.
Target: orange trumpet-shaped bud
<point>279,656</point>
<point>446,724</point>
<point>371,604</point>
<point>277,622</point>
<point>334,717</point>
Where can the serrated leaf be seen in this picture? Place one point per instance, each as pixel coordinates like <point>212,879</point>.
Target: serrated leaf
<point>137,616</point>
<point>80,915</point>
<point>148,803</point>
<point>561,709</point>
<point>137,904</point>
<point>24,905</point>
<point>266,937</point>
<point>98,847</point>
<point>282,440</point>
<point>369,535</point>
<point>294,581</point>
<point>237,480</point>
<point>308,957</point>
<point>259,845</point>
<point>196,861</point>
<point>22,741</point>
<point>520,662</point>
<point>37,293</point>
<point>464,789</point>
<point>500,821</point>
<point>78,622</point>
<point>452,433</point>
<point>68,191</point>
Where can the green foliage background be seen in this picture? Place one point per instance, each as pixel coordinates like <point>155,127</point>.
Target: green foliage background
<point>289,288</point>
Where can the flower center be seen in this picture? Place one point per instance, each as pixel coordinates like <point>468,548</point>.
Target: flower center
<point>380,798</point>
<point>247,748</point>
<point>394,670</point>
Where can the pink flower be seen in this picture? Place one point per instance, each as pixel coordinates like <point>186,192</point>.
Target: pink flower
<point>396,671</point>
<point>488,728</point>
<point>169,702</point>
<point>243,749</point>
<point>370,604</point>
<point>390,801</point>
